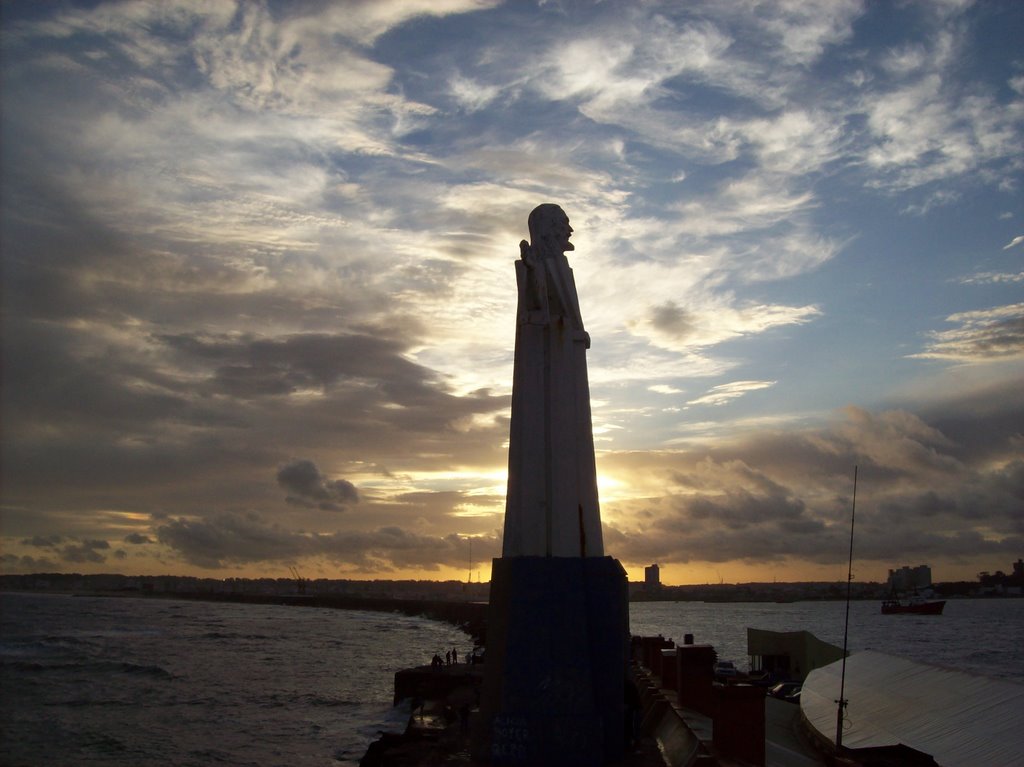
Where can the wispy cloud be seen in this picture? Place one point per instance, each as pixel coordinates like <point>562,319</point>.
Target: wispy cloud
<point>990,278</point>
<point>982,336</point>
<point>924,128</point>
<point>664,389</point>
<point>724,393</point>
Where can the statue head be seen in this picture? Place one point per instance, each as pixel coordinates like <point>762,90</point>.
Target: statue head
<point>550,230</point>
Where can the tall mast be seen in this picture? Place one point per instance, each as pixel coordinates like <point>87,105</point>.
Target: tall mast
<point>846,625</point>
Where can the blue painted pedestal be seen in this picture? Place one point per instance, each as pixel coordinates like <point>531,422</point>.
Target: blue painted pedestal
<point>557,650</point>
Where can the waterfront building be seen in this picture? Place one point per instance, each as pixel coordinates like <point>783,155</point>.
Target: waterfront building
<point>910,579</point>
<point>652,578</point>
<point>788,655</point>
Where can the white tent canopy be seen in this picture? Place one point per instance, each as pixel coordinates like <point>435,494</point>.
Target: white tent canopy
<point>956,717</point>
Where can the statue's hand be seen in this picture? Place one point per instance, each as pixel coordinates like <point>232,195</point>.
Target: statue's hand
<point>526,252</point>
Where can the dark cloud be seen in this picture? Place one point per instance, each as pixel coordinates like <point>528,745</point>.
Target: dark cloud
<point>672,319</point>
<point>977,423</point>
<point>306,486</point>
<point>160,428</point>
<point>137,539</point>
<point>231,538</point>
<point>224,540</point>
<point>919,496</point>
<point>86,551</point>
<point>12,562</point>
<point>65,380</point>
<point>734,526</point>
<point>248,366</point>
<point>43,541</point>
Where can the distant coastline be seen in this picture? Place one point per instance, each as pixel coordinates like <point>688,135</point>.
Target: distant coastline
<point>417,597</point>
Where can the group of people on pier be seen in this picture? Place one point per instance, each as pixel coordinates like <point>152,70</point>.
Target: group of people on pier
<point>450,657</point>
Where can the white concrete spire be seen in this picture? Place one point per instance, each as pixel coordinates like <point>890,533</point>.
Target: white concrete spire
<point>551,508</point>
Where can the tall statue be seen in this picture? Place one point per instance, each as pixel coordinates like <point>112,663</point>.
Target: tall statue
<point>551,507</point>
<point>558,614</point>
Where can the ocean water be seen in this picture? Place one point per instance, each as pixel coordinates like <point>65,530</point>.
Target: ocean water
<point>982,636</point>
<point>130,682</point>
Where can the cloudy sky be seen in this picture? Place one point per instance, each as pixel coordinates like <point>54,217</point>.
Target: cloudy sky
<point>259,294</point>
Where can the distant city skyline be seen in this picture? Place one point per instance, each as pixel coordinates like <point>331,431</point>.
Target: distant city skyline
<point>259,299</point>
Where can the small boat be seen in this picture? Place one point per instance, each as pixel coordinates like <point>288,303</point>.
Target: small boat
<point>914,606</point>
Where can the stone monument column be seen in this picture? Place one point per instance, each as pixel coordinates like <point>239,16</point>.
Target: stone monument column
<point>558,618</point>
<point>551,508</point>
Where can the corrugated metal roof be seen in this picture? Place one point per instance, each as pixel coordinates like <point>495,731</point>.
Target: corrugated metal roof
<point>957,718</point>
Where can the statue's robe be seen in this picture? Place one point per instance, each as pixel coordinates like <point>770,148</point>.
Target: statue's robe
<point>551,507</point>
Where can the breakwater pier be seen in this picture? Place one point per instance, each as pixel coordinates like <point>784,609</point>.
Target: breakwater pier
<point>468,616</point>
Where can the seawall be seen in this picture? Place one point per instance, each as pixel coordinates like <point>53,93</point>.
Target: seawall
<point>468,616</point>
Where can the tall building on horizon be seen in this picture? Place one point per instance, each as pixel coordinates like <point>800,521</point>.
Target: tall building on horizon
<point>910,578</point>
<point>652,578</point>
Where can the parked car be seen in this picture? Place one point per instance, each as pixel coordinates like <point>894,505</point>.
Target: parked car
<point>760,679</point>
<point>724,669</point>
<point>788,691</point>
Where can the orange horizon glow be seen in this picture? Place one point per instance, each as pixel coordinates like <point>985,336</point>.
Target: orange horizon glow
<point>691,574</point>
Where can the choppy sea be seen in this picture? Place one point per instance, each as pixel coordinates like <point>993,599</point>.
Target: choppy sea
<point>129,682</point>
